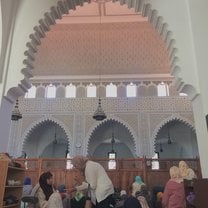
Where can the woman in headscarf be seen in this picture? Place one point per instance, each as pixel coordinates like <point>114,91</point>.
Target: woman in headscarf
<point>136,186</point>
<point>44,191</point>
<point>185,171</point>
<point>101,187</point>
<point>174,195</point>
<point>27,186</point>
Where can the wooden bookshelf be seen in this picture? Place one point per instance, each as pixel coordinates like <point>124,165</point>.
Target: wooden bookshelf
<point>10,189</point>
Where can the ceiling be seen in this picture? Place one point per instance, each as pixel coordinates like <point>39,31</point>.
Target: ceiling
<point>102,39</point>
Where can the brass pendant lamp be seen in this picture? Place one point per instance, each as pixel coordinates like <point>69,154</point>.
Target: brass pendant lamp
<point>99,114</point>
<point>16,115</point>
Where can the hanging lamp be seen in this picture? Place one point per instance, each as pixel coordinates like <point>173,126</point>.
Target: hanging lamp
<point>55,139</point>
<point>16,115</point>
<point>169,138</point>
<point>99,114</point>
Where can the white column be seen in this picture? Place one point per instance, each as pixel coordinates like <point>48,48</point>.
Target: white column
<point>202,133</point>
<point>5,122</point>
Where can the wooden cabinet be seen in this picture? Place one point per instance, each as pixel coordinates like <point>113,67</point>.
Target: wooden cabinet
<point>188,187</point>
<point>200,189</point>
<point>11,183</point>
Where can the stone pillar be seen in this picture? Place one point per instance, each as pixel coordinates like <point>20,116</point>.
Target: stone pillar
<point>202,134</point>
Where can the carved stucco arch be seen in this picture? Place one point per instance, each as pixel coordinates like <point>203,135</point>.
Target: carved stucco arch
<point>64,6</point>
<point>165,121</point>
<point>96,125</point>
<point>42,120</point>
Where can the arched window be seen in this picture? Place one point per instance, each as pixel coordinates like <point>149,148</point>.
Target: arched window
<point>50,91</point>
<point>111,90</point>
<point>155,163</point>
<point>31,92</point>
<point>112,161</point>
<point>91,90</point>
<point>182,94</point>
<point>162,90</point>
<point>70,91</point>
<point>131,90</point>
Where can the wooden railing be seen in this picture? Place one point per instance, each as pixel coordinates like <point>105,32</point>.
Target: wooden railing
<point>122,176</point>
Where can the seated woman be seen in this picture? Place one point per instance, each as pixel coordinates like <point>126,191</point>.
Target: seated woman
<point>27,189</point>
<point>174,195</point>
<point>142,199</point>
<point>185,171</point>
<point>44,191</point>
<point>27,186</point>
<point>136,186</point>
<point>123,197</point>
<point>145,193</point>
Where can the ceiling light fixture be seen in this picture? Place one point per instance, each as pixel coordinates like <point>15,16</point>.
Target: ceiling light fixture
<point>55,139</point>
<point>16,115</point>
<point>99,114</point>
<point>169,139</point>
<point>161,148</point>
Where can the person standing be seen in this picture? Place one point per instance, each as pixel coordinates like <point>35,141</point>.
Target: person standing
<point>96,178</point>
<point>186,172</point>
<point>174,195</point>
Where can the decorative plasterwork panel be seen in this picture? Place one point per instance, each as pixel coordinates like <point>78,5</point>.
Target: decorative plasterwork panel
<point>89,122</point>
<point>156,119</point>
<point>28,120</point>
<point>131,119</point>
<point>68,120</point>
<point>189,117</point>
<point>110,48</point>
<point>142,116</point>
<point>59,106</point>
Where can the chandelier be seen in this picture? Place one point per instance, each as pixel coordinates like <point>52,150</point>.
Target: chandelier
<point>99,114</point>
<point>16,115</point>
<point>55,136</point>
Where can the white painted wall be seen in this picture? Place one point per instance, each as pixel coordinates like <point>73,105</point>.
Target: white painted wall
<point>176,15</point>
<point>187,21</point>
<point>199,27</point>
<point>5,123</point>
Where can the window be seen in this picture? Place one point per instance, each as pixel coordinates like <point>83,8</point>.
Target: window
<point>68,162</point>
<point>91,90</point>
<point>111,90</point>
<point>31,92</point>
<point>162,89</point>
<point>131,90</point>
<point>183,94</point>
<point>112,161</point>
<point>155,163</point>
<point>50,91</point>
<point>70,91</point>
